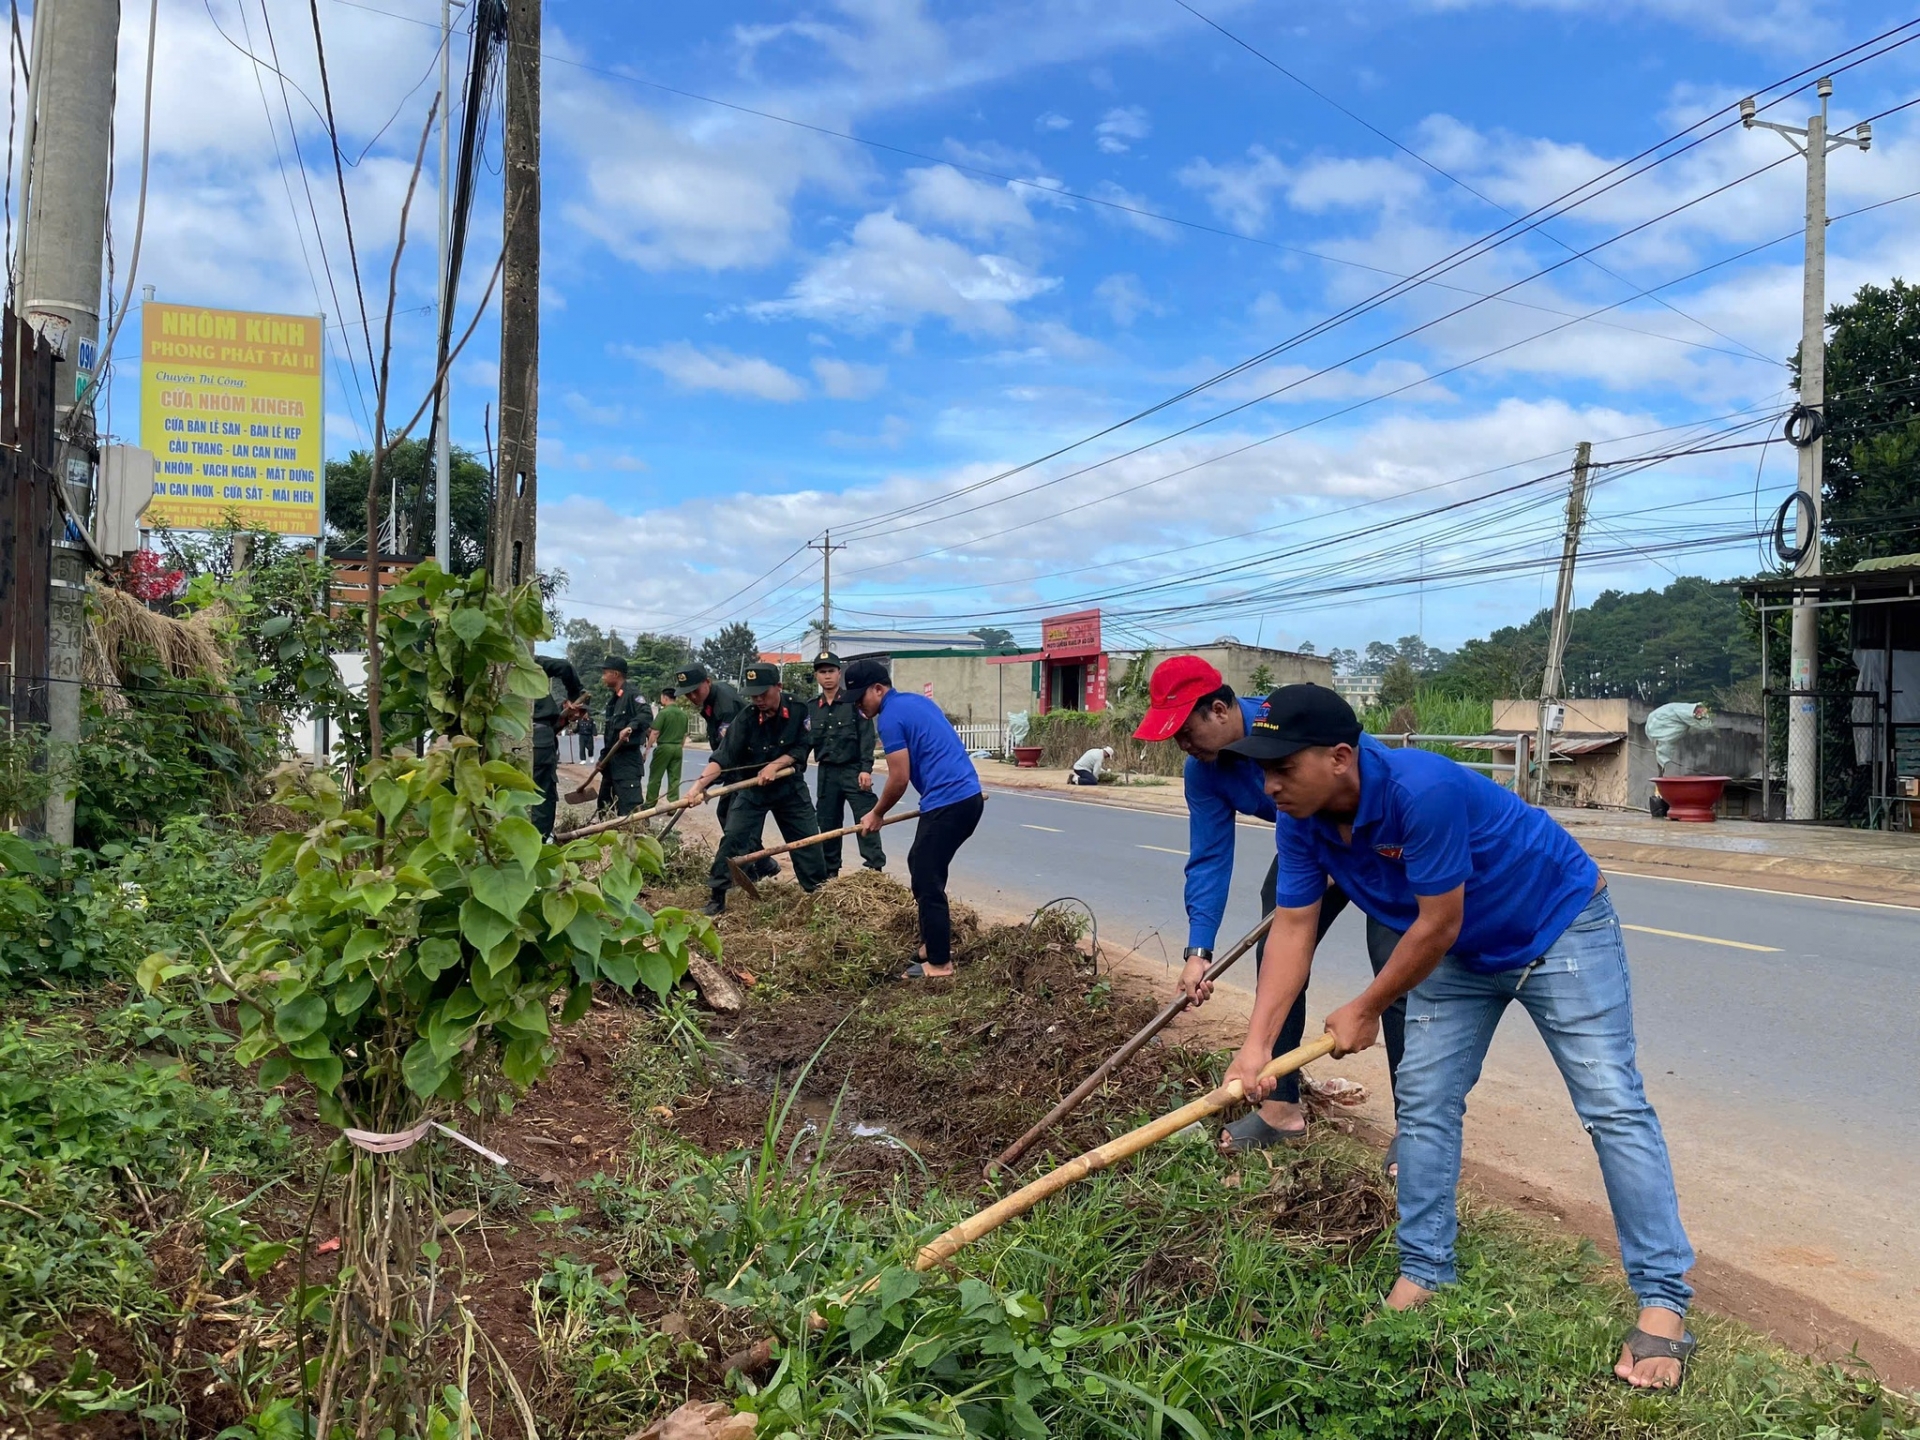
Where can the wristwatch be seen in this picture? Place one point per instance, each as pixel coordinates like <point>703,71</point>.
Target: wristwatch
<point>1196,952</point>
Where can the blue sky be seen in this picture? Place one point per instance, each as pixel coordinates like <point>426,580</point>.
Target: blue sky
<point>755,330</point>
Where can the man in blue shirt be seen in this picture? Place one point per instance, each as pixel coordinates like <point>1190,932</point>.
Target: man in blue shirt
<point>1494,903</point>
<point>923,748</point>
<point>1190,703</point>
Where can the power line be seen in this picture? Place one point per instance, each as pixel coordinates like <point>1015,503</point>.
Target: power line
<point>1472,250</point>
<point>340,175</point>
<point>1449,176</point>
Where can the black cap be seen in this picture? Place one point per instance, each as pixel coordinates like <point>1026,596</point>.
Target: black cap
<point>615,662</point>
<point>760,678</point>
<point>862,675</point>
<point>666,692</point>
<point>826,660</point>
<point>1299,717</point>
<point>691,676</point>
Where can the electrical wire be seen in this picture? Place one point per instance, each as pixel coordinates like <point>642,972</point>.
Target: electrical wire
<point>340,175</point>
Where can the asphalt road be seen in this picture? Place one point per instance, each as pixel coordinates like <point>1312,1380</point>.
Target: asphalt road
<point>1787,1010</point>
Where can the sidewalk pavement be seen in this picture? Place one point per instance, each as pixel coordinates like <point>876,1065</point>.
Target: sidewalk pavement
<point>1797,859</point>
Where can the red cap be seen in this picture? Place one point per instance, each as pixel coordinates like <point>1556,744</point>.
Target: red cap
<point>1176,687</point>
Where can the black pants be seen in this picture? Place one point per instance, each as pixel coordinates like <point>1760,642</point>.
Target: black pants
<point>839,791</point>
<point>546,774</point>
<point>937,838</point>
<point>623,784</point>
<point>792,810</point>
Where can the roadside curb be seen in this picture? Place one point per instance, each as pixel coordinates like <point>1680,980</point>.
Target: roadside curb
<point>1789,873</point>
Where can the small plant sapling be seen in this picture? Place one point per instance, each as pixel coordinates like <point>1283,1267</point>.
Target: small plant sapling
<point>419,944</point>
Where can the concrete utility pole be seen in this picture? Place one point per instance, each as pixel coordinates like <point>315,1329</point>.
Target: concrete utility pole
<point>1554,683</point>
<point>63,236</point>
<point>516,490</point>
<point>442,443</point>
<point>826,547</point>
<point>1803,719</point>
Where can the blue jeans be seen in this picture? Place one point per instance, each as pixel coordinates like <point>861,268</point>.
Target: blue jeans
<point>1581,1002</point>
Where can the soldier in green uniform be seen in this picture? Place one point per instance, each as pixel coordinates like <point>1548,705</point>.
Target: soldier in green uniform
<point>668,739</point>
<point>755,742</point>
<point>625,727</point>
<point>549,719</point>
<point>717,703</point>
<point>843,743</point>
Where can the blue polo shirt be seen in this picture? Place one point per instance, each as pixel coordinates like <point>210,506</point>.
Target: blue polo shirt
<point>937,762</point>
<point>1217,791</point>
<point>1426,825</point>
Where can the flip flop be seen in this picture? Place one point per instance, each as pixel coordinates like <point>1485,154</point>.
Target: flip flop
<point>918,971</point>
<point>1391,1162</point>
<point>1642,1346</point>
<point>1251,1132</point>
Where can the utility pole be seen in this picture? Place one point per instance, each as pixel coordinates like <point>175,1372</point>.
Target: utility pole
<point>63,235</point>
<point>826,547</point>
<point>1554,683</point>
<point>442,444</point>
<point>1803,719</point>
<point>516,491</point>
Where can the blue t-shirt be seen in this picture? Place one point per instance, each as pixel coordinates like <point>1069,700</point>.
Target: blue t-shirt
<point>1217,791</point>
<point>938,763</point>
<point>1426,825</point>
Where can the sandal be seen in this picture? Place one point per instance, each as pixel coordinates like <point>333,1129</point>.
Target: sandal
<point>1642,1346</point>
<point>1251,1132</point>
<point>1390,1164</point>
<point>918,971</point>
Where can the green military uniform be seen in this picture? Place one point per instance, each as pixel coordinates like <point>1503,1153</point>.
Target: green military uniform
<point>546,740</point>
<point>671,725</point>
<point>843,744</point>
<point>623,780</point>
<point>754,740</point>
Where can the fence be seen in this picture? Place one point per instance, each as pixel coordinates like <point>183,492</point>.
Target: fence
<point>1447,744</point>
<point>987,736</point>
<point>27,518</point>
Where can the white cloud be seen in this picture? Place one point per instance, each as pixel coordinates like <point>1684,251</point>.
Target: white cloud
<point>715,368</point>
<point>1052,121</point>
<point>891,273</point>
<point>1120,127</point>
<point>892,433</point>
<point>1125,297</point>
<point>941,195</point>
<point>1240,193</point>
<point>843,380</point>
<point>1132,212</point>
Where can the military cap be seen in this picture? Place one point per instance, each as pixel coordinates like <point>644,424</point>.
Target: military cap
<point>615,662</point>
<point>688,678</point>
<point>826,660</point>
<point>760,678</point>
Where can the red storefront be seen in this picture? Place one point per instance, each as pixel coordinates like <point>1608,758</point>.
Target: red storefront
<point>1071,663</point>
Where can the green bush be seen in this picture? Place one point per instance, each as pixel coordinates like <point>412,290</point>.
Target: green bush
<point>1064,735</point>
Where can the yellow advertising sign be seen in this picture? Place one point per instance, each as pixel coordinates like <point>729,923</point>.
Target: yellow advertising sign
<point>230,405</point>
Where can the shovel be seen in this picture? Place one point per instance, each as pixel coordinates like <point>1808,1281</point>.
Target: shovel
<point>588,790</point>
<point>563,836</point>
<point>736,867</point>
<point>1024,1199</point>
<point>1127,1051</point>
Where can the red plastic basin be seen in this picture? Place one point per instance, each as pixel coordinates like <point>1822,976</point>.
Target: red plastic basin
<point>1027,757</point>
<point>1691,797</point>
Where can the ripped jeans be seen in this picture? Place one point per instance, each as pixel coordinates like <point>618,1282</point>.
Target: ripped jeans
<point>1581,1002</point>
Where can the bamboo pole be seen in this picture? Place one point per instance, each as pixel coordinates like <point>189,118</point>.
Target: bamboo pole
<point>1024,1199</point>
<point>736,867</point>
<point>1127,1051</point>
<point>661,809</point>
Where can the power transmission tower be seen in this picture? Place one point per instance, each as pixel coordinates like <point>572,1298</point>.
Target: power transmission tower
<point>62,240</point>
<point>1803,720</point>
<point>826,547</point>
<point>516,492</point>
<point>1554,683</point>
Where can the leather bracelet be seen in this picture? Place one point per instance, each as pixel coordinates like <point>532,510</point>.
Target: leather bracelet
<point>1196,952</point>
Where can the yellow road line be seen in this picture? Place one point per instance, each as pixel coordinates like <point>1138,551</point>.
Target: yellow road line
<point>1051,830</point>
<point>1703,939</point>
<point>1162,849</point>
